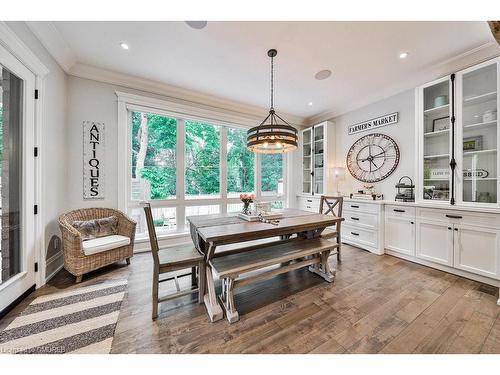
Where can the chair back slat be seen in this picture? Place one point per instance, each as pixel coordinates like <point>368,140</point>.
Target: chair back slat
<point>331,203</point>
<point>152,233</point>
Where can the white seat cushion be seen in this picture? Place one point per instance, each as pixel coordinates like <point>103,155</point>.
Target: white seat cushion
<point>98,245</point>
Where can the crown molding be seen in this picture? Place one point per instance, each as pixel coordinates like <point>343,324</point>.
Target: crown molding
<point>16,46</point>
<point>430,73</point>
<point>51,38</point>
<point>174,93</point>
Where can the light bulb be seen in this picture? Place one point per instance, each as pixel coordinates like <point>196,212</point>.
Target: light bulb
<point>278,144</point>
<point>265,144</point>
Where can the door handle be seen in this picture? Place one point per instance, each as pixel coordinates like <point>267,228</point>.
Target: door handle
<point>355,218</point>
<point>454,216</point>
<point>355,234</point>
<point>397,210</point>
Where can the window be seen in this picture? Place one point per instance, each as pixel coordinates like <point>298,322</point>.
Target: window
<point>272,174</point>
<point>191,167</point>
<point>202,160</point>
<point>153,156</point>
<point>240,164</point>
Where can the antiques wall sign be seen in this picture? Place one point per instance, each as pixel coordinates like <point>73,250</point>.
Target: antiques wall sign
<point>374,123</point>
<point>93,160</point>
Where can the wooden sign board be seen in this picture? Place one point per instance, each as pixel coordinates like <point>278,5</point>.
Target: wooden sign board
<point>93,160</point>
<point>374,123</point>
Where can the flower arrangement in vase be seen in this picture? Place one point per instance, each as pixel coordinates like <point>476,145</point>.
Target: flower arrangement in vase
<point>247,199</point>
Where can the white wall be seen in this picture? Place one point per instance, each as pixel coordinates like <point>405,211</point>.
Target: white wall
<point>53,147</point>
<point>402,132</point>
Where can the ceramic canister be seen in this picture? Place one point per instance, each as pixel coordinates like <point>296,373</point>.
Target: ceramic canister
<point>440,100</point>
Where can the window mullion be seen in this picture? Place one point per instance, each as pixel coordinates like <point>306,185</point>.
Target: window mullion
<point>181,174</point>
<point>223,168</point>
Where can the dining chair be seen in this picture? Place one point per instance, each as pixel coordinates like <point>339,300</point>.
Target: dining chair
<point>332,205</point>
<point>174,259</point>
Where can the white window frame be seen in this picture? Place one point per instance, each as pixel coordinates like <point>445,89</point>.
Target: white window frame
<point>183,111</point>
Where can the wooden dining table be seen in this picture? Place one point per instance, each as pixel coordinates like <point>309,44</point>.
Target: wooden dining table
<point>209,232</point>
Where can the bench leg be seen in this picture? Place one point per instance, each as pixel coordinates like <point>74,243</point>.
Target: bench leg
<point>213,309</point>
<point>227,300</point>
<point>201,281</point>
<point>323,268</point>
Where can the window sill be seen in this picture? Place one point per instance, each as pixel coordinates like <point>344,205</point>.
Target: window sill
<point>165,236</point>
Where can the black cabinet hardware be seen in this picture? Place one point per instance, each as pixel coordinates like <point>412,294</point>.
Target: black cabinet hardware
<point>411,222</point>
<point>454,216</point>
<point>449,228</point>
<point>309,200</point>
<point>353,206</point>
<point>355,218</point>
<point>397,210</point>
<point>456,229</point>
<point>355,234</point>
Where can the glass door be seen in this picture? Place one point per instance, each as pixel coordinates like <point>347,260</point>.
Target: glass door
<point>436,140</point>
<point>307,145</point>
<point>17,173</point>
<point>319,159</point>
<point>479,134</point>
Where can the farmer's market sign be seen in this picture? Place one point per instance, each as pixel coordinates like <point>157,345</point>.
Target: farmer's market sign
<point>374,123</point>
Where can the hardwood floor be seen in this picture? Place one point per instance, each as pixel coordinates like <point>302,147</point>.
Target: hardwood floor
<point>377,304</point>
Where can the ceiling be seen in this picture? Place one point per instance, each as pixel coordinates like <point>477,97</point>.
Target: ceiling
<point>229,59</point>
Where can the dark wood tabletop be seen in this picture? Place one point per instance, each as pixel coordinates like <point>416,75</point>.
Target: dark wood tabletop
<point>229,228</point>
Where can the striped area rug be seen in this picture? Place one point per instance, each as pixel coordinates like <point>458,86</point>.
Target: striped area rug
<point>81,320</point>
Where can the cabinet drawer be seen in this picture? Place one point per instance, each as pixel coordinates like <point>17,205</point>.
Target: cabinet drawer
<point>358,235</point>
<point>361,206</point>
<point>460,217</point>
<point>400,211</point>
<point>360,219</point>
<point>308,204</point>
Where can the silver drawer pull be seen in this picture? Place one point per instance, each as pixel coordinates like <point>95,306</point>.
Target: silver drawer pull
<point>355,218</point>
<point>355,234</point>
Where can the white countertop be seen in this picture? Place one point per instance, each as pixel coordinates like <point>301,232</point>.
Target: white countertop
<point>443,206</point>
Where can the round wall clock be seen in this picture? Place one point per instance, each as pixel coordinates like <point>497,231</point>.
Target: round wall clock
<point>373,157</point>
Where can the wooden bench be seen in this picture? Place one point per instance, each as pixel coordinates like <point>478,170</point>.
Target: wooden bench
<point>289,254</point>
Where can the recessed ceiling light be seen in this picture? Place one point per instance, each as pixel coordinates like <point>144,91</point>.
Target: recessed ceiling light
<point>310,104</point>
<point>197,24</point>
<point>403,55</point>
<point>124,45</point>
<point>323,74</point>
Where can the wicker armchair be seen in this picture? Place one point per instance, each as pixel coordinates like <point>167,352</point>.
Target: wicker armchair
<point>75,260</point>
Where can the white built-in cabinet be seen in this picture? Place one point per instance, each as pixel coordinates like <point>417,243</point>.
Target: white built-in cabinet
<point>400,229</point>
<point>317,153</point>
<point>458,136</point>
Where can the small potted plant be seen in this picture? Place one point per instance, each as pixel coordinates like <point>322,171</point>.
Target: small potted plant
<point>247,199</point>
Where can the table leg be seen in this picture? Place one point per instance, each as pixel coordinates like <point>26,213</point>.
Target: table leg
<point>213,308</point>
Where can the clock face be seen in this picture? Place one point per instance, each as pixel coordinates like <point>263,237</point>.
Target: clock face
<point>373,157</point>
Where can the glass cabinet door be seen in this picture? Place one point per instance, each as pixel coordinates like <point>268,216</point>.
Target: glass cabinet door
<point>479,143</point>
<point>436,141</point>
<point>319,159</point>
<point>307,161</point>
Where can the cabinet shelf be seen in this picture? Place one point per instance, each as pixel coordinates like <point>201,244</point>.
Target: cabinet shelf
<point>481,179</point>
<point>436,133</point>
<point>436,156</point>
<point>480,98</point>
<point>480,125</point>
<point>442,109</point>
<point>467,153</point>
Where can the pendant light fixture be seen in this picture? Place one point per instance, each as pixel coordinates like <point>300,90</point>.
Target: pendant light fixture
<point>274,135</point>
